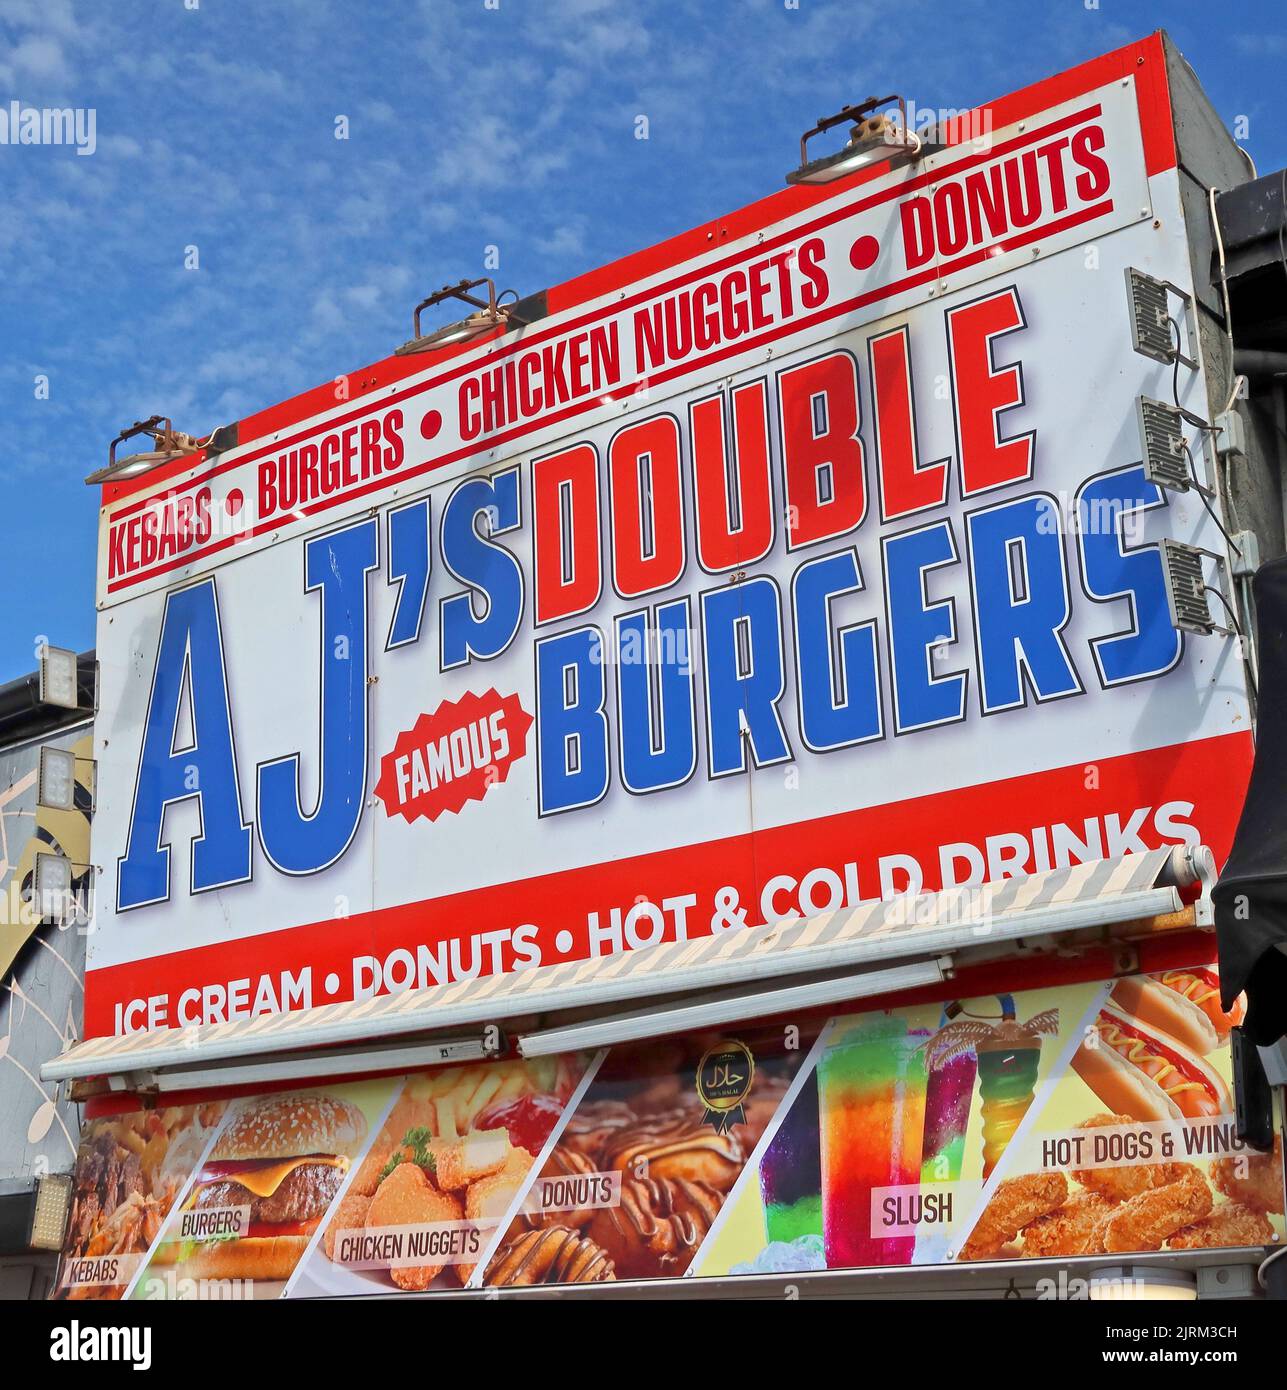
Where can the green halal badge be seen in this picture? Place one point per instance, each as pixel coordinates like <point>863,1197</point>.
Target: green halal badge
<point>724,1078</point>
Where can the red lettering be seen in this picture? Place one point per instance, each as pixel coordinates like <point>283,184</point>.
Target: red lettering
<point>647,506</point>
<point>1053,154</point>
<point>1023,200</point>
<point>732,304</point>
<point>981,391</point>
<point>565,532</point>
<point>204,524</point>
<point>471,423</point>
<point>330,463</point>
<point>987,203</point>
<point>905,487</point>
<point>951,226</point>
<point>1094,182</point>
<point>393,454</point>
<point>822,455</point>
<point>116,552</point>
<point>371,454</point>
<point>267,488</point>
<point>814,292</point>
<point>734,529</point>
<point>918,231</point>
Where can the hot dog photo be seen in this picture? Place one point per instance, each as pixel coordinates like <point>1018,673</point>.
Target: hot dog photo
<point>1080,1119</point>
<point>1135,1146</point>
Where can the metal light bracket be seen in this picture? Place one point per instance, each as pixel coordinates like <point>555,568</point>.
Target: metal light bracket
<point>893,138</point>
<point>1151,317</point>
<point>170,444</point>
<point>1186,588</point>
<point>1163,447</point>
<point>489,313</point>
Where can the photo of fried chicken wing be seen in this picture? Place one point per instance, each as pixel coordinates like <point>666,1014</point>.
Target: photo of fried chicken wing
<point>1230,1224</point>
<point>1121,1183</point>
<point>1016,1203</point>
<point>1076,1228</point>
<point>1254,1179</point>
<point>1148,1219</point>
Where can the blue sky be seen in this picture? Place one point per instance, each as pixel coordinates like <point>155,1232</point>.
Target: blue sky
<point>471,123</point>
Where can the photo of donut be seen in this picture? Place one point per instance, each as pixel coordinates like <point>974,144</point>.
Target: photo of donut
<point>642,1169</point>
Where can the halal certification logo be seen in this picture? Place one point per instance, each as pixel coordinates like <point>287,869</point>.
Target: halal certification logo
<point>724,1078</point>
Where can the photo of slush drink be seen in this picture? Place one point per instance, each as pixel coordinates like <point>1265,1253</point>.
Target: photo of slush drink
<point>947,1110</point>
<point>791,1171</point>
<point>871,1091</point>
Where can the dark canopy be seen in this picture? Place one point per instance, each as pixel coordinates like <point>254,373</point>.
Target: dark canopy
<point>1251,896</point>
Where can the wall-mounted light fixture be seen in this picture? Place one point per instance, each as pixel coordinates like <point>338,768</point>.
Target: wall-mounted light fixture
<point>56,778</point>
<point>58,677</point>
<point>875,138</point>
<point>488,314</point>
<point>170,444</point>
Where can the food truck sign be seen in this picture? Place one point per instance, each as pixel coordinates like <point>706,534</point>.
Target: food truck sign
<point>665,614</point>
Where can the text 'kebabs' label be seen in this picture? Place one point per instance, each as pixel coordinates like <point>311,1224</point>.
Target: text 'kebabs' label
<point>100,1271</point>
<point>1125,1146</point>
<point>582,1192</point>
<point>412,1246</point>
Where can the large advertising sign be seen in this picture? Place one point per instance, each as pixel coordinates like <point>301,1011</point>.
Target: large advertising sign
<point>813,567</point>
<point>1091,1119</point>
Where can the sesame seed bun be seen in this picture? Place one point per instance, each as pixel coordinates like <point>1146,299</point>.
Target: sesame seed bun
<point>286,1126</point>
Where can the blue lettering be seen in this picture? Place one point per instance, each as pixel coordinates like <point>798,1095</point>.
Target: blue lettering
<point>745,679</point>
<point>839,692</point>
<point>1110,571</point>
<point>1021,602</point>
<point>918,627</point>
<point>189,658</point>
<point>296,842</point>
<point>489,569</point>
<point>653,757</point>
<point>571,726</point>
<point>409,569</point>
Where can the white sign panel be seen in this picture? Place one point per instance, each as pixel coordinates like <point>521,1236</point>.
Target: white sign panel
<point>816,568</point>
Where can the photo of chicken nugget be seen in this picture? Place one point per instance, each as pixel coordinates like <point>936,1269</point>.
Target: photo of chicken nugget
<point>1147,1220</point>
<point>407,1198</point>
<point>1254,1179</point>
<point>1016,1203</point>
<point>1119,1183</point>
<point>367,1177</point>
<point>1076,1228</point>
<point>349,1215</point>
<point>1230,1224</point>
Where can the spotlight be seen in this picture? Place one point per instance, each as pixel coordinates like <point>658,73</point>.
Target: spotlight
<point>56,778</point>
<point>58,677</point>
<point>489,314</point>
<point>170,444</point>
<point>874,139</point>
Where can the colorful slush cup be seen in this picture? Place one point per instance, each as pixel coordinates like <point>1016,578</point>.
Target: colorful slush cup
<point>1009,1056</point>
<point>947,1109</point>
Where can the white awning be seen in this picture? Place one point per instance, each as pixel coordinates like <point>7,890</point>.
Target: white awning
<point>794,963</point>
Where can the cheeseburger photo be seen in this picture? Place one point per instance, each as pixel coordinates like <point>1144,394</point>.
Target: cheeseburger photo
<point>285,1158</point>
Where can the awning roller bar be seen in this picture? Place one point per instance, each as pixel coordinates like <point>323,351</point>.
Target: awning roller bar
<point>1096,894</point>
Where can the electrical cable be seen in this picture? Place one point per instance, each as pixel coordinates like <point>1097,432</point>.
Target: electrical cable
<point>1265,1263</point>
<point>1201,490</point>
<point>1195,420</point>
<point>1236,380</point>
